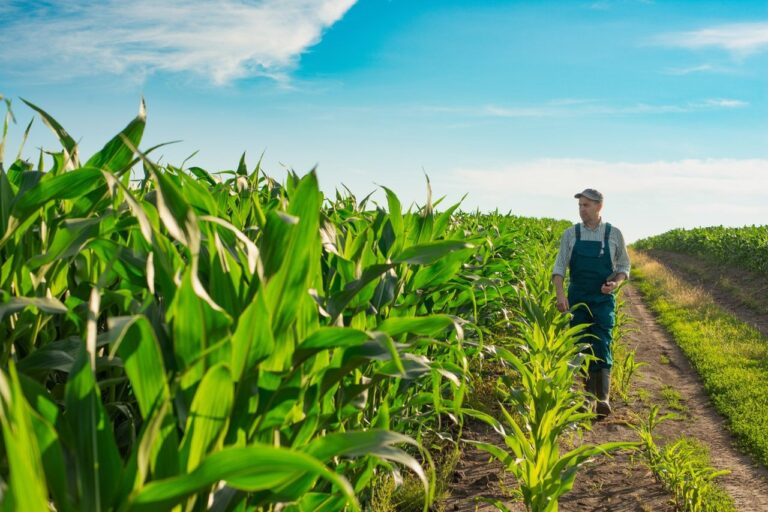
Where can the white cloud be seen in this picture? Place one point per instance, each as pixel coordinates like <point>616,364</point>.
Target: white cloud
<point>644,197</point>
<point>555,177</point>
<point>741,39</point>
<point>573,107</point>
<point>221,41</point>
<point>725,103</point>
<point>599,6</point>
<point>703,68</point>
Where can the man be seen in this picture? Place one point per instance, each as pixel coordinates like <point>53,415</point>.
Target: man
<point>596,256</point>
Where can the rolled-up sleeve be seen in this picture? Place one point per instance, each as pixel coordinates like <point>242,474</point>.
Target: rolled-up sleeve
<point>621,257</point>
<point>563,254</point>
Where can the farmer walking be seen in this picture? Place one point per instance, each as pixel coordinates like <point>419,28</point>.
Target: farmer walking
<point>596,257</point>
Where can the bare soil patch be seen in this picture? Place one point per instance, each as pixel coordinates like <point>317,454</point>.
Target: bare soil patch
<point>621,482</point>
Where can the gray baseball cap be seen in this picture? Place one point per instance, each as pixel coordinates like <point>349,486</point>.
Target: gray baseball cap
<point>590,193</point>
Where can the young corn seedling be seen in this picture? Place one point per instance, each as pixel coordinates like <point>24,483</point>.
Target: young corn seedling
<point>545,406</point>
<point>680,468</point>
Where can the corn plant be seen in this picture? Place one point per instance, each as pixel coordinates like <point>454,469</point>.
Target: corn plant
<point>216,339</point>
<point>625,366</point>
<point>679,467</point>
<point>548,358</point>
<point>623,374</point>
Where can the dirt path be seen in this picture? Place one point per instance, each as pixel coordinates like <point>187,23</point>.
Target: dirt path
<point>743,294</point>
<point>747,483</point>
<point>621,482</point>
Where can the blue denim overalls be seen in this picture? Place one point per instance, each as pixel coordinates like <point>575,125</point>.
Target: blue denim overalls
<point>590,265</point>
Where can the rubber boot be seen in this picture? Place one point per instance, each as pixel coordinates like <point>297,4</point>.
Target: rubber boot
<point>603,382</point>
<point>590,384</point>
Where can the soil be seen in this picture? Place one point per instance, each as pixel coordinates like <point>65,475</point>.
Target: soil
<point>621,482</point>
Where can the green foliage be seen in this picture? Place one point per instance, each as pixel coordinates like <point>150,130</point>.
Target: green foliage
<point>548,357</point>
<point>674,399</point>
<point>745,247</point>
<point>683,468</point>
<point>198,339</point>
<point>624,364</point>
<point>197,328</point>
<point>388,495</point>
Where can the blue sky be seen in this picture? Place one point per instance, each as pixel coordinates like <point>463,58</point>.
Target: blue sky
<point>661,105</point>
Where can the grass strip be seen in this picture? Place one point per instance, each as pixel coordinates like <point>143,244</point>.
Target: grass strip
<point>730,356</point>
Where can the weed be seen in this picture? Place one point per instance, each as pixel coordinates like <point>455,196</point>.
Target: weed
<point>674,399</point>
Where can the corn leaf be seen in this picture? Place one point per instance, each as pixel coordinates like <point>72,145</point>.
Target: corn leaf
<point>196,327</point>
<point>424,326</point>
<point>69,185</point>
<point>254,468</point>
<point>430,252</point>
<point>45,415</point>
<point>252,340</point>
<point>116,155</point>
<point>327,338</point>
<point>27,486</point>
<point>46,304</point>
<point>67,142</point>
<point>208,416</point>
<point>6,198</point>
<point>98,462</point>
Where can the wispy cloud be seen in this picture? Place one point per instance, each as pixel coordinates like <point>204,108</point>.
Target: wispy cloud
<point>598,6</point>
<point>605,5</point>
<point>221,41</point>
<point>645,197</point>
<point>703,68</point>
<point>741,39</point>
<point>725,103</point>
<point>572,107</point>
<point>555,176</point>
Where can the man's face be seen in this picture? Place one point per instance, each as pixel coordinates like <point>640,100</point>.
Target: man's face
<point>589,210</point>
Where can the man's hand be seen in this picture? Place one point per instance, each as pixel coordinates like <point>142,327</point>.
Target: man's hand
<point>609,287</point>
<point>562,299</point>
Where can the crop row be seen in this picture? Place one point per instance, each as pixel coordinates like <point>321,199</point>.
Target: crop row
<point>745,248</point>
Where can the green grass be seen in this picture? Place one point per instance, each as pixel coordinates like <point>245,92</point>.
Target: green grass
<point>730,356</point>
<point>674,399</point>
<point>408,496</point>
<point>643,395</point>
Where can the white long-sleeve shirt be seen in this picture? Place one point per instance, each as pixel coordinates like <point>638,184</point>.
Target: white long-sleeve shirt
<point>618,248</point>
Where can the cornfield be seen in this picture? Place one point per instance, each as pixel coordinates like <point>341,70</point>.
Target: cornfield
<point>195,340</point>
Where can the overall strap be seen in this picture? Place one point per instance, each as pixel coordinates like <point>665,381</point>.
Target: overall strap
<point>607,232</point>
<point>578,232</point>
